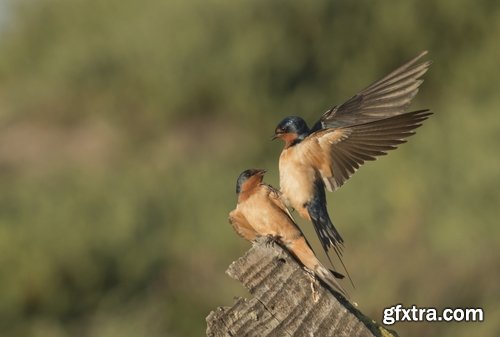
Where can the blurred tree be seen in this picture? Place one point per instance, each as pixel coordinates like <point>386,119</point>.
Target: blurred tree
<point>124,125</point>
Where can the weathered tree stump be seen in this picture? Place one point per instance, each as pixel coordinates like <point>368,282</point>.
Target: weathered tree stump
<point>287,301</point>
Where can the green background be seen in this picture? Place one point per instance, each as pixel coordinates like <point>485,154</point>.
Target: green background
<point>124,124</point>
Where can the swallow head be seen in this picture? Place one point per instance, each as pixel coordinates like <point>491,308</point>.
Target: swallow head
<point>249,179</point>
<point>292,130</point>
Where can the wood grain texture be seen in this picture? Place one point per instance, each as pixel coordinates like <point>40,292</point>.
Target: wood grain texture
<point>287,301</point>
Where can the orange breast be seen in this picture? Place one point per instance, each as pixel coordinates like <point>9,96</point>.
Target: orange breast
<point>297,175</point>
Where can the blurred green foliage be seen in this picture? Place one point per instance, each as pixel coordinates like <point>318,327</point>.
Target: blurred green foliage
<point>124,124</point>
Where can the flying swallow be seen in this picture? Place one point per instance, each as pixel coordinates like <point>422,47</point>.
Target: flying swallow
<point>367,125</point>
<point>260,212</point>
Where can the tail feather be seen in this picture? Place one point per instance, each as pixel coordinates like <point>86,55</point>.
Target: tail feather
<point>337,274</point>
<point>304,253</point>
<point>327,233</point>
<point>326,276</point>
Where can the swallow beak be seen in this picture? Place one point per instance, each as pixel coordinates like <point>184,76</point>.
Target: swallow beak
<point>277,134</point>
<point>261,172</point>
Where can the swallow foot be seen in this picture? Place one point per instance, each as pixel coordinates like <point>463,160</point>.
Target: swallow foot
<point>313,284</point>
<point>271,240</point>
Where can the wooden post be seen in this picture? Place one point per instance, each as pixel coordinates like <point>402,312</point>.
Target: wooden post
<point>287,301</point>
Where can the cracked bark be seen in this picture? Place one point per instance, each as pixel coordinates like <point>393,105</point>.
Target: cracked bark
<point>287,301</point>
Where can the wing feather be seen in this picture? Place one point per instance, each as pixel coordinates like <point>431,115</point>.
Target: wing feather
<point>389,96</point>
<point>347,148</point>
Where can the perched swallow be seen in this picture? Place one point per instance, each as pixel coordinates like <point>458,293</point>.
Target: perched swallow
<point>260,212</point>
<point>368,125</point>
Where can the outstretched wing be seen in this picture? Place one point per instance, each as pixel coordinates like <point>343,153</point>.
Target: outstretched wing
<point>341,151</point>
<point>386,97</point>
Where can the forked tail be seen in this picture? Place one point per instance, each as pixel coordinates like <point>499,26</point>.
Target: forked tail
<point>326,276</point>
<point>323,225</point>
